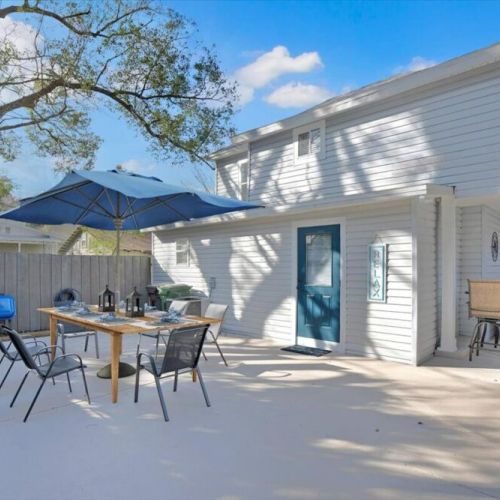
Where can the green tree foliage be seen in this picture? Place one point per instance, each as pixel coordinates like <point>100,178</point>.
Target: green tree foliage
<point>6,197</point>
<point>59,60</point>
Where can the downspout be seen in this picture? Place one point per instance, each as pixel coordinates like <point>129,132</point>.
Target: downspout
<point>437,264</point>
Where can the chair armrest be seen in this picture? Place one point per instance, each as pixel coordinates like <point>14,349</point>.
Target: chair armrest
<point>47,348</point>
<point>36,342</point>
<point>71,355</point>
<point>62,356</point>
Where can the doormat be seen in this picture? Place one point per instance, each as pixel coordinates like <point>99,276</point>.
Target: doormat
<point>310,351</point>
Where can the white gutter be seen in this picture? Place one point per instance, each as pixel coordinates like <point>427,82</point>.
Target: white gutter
<point>358,200</point>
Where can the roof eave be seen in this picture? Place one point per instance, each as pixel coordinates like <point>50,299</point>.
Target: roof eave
<point>368,95</point>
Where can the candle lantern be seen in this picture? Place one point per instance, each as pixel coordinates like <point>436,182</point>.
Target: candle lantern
<point>107,300</point>
<point>154,299</point>
<point>134,305</point>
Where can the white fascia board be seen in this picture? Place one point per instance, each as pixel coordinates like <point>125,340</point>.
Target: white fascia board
<point>370,94</point>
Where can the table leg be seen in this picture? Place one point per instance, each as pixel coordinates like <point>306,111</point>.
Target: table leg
<point>53,334</point>
<point>116,349</point>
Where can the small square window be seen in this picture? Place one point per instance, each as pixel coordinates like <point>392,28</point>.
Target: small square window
<point>182,252</point>
<point>7,229</point>
<point>310,141</point>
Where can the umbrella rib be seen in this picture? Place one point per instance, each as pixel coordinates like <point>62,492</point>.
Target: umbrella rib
<point>75,205</point>
<point>108,196</point>
<point>54,192</point>
<point>158,201</point>
<point>88,208</point>
<point>94,202</point>
<point>129,207</point>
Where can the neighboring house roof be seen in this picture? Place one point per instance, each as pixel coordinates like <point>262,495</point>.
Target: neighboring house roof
<point>104,242</point>
<point>385,89</point>
<point>19,232</point>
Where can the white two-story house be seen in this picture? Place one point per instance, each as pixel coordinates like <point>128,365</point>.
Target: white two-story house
<point>378,205</point>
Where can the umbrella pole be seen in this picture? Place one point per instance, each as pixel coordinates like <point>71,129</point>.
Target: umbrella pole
<point>124,369</point>
<point>118,226</point>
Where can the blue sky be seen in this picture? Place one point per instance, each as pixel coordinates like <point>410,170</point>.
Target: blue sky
<point>289,54</point>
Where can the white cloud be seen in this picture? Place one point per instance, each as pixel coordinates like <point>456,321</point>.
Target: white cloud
<point>22,38</point>
<point>271,65</point>
<point>137,166</point>
<point>298,95</point>
<point>416,64</point>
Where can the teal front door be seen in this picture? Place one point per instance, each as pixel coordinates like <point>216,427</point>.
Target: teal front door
<point>318,285</point>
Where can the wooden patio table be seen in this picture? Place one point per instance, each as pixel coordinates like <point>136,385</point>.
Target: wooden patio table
<point>115,331</point>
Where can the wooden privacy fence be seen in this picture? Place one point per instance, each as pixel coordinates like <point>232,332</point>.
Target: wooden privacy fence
<point>34,279</point>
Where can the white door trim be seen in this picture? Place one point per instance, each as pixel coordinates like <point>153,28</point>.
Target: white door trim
<point>333,346</point>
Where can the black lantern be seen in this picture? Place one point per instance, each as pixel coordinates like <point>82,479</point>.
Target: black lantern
<point>134,305</point>
<point>107,300</point>
<point>154,299</point>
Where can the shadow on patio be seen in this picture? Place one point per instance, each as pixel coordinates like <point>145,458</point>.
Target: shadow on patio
<point>281,426</point>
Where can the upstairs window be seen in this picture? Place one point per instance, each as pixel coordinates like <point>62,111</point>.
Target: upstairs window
<point>310,141</point>
<point>182,252</point>
<point>243,172</point>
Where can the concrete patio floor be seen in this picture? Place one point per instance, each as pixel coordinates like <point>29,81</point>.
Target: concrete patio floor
<point>280,426</point>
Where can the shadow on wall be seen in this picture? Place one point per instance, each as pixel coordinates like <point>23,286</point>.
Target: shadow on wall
<point>396,149</point>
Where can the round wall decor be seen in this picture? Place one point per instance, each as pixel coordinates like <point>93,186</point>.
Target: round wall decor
<point>494,246</point>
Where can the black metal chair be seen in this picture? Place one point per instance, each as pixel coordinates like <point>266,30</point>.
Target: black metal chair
<point>60,365</point>
<point>182,353</point>
<point>33,346</point>
<point>179,307</point>
<point>65,331</point>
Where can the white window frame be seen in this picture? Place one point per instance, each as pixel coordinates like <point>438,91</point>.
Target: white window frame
<point>307,129</point>
<point>242,181</point>
<point>187,250</point>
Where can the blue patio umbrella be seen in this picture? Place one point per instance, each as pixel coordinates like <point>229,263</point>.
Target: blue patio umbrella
<point>118,200</point>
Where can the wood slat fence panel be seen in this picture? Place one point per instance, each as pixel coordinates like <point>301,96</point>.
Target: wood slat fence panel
<point>34,279</point>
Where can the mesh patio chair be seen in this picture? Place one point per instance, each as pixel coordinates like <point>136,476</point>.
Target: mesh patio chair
<point>180,307</point>
<point>182,353</point>
<point>33,346</point>
<point>66,331</point>
<point>60,365</point>
<point>216,311</point>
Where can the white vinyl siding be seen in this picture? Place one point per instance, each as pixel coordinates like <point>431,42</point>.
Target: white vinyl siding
<point>228,176</point>
<point>444,135</point>
<point>252,264</point>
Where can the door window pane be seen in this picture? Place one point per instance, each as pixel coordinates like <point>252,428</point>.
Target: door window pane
<point>319,259</point>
